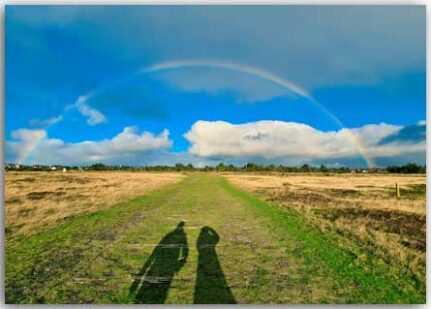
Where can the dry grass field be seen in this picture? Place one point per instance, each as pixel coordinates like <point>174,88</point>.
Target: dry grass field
<point>362,208</point>
<point>36,200</point>
<point>115,237</point>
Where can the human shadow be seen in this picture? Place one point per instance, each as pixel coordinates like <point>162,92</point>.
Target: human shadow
<point>211,285</point>
<point>151,284</point>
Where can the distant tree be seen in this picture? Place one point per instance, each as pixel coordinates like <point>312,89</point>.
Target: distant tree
<point>231,168</point>
<point>271,167</point>
<point>323,168</point>
<point>220,167</point>
<point>305,168</point>
<point>409,168</point>
<point>179,167</point>
<point>98,166</point>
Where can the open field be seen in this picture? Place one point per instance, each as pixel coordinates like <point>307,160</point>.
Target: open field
<point>240,238</point>
<point>36,200</point>
<point>363,209</point>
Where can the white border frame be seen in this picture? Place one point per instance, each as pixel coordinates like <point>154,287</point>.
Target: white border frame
<point>219,2</point>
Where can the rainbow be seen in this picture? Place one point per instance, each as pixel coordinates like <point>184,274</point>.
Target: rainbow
<point>245,69</point>
<point>291,87</point>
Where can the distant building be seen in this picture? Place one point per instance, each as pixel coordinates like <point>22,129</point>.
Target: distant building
<point>53,168</point>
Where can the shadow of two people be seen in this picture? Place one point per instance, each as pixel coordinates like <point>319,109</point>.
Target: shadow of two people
<point>154,279</point>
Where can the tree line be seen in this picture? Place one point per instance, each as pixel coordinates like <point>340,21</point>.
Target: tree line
<point>410,168</point>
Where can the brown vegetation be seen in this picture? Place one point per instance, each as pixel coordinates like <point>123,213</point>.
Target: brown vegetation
<point>362,209</point>
<point>35,200</point>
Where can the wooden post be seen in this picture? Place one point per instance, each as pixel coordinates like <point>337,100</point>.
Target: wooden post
<point>397,188</point>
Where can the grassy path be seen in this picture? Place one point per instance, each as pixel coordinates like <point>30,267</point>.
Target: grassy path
<point>232,248</point>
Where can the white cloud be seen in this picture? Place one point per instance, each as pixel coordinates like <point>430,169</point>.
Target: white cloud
<point>28,134</point>
<point>276,139</point>
<point>43,123</point>
<point>34,146</point>
<point>275,142</point>
<point>93,115</point>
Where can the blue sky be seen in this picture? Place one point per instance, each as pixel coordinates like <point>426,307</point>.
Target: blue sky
<point>79,91</point>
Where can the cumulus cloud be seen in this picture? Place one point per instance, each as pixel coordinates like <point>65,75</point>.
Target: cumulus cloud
<point>275,142</point>
<point>28,135</point>
<point>35,146</point>
<point>27,140</point>
<point>276,139</point>
<point>94,116</point>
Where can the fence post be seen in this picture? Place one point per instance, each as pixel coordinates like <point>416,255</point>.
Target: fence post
<point>397,188</point>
